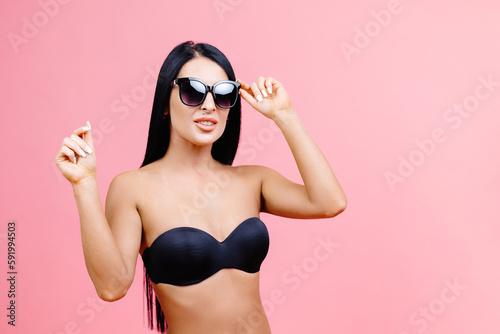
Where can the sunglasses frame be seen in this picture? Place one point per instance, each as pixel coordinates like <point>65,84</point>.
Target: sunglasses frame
<point>180,81</point>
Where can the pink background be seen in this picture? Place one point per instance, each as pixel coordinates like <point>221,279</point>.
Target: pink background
<point>419,255</point>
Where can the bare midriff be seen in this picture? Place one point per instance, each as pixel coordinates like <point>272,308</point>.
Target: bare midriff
<point>227,302</point>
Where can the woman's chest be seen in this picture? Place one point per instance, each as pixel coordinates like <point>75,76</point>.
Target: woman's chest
<point>217,204</point>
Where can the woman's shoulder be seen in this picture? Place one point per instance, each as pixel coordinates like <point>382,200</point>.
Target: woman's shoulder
<point>252,170</point>
<point>124,188</point>
<point>129,178</point>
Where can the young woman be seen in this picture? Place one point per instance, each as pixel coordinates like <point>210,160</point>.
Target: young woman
<point>190,214</point>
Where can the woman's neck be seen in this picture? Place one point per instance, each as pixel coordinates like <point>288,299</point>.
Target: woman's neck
<point>183,155</point>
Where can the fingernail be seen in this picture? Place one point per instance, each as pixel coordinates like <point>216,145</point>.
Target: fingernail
<point>74,160</point>
<point>270,90</point>
<point>88,123</point>
<point>82,153</point>
<point>87,148</point>
<point>85,128</point>
<point>264,93</point>
<point>259,98</point>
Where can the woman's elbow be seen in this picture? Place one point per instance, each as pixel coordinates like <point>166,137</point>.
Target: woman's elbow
<point>335,209</point>
<point>111,295</point>
<point>113,292</point>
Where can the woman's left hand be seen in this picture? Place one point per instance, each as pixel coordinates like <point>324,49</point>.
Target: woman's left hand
<point>267,96</point>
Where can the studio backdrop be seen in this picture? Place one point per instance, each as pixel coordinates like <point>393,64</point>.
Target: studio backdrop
<point>401,96</point>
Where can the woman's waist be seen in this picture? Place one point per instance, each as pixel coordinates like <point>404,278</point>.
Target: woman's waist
<point>220,317</point>
<point>226,285</point>
<point>227,290</point>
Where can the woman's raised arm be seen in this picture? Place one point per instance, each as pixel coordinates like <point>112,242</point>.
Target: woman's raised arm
<point>321,195</point>
<point>110,240</point>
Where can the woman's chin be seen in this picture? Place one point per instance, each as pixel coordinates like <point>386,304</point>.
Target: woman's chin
<point>206,139</point>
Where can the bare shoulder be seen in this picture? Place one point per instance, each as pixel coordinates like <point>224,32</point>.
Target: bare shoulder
<point>256,171</point>
<point>125,184</point>
<point>255,174</point>
<point>130,177</point>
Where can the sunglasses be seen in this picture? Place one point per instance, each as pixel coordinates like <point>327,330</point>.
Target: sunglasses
<point>193,92</point>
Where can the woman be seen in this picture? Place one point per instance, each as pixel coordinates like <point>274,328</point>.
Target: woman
<point>192,216</point>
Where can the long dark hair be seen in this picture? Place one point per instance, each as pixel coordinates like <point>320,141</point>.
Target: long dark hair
<point>223,150</point>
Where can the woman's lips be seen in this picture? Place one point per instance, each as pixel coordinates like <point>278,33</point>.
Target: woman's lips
<point>206,123</point>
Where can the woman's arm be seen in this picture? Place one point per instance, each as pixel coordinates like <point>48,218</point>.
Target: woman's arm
<point>321,195</point>
<point>110,241</point>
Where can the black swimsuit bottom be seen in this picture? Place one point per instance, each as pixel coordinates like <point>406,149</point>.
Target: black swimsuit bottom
<point>187,255</point>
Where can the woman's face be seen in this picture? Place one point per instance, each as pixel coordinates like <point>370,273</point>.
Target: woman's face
<point>185,120</point>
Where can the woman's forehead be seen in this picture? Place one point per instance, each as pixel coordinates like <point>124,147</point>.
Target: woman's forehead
<point>203,68</point>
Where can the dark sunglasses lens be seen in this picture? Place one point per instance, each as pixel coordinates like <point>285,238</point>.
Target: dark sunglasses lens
<point>192,92</point>
<point>226,95</point>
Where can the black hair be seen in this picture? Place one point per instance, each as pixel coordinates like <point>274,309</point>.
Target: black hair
<point>223,149</point>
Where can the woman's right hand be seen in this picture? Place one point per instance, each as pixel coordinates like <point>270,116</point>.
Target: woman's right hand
<point>76,159</point>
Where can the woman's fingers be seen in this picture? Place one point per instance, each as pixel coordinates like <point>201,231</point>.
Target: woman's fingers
<point>79,144</point>
<point>255,91</point>
<point>252,89</point>
<point>244,85</point>
<point>247,93</point>
<point>66,151</point>
<point>249,98</point>
<point>265,95</point>
<point>80,132</point>
<point>261,85</point>
<point>75,144</point>
<point>269,85</point>
<point>80,136</point>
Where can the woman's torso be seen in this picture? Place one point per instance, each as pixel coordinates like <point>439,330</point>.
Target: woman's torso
<point>217,203</point>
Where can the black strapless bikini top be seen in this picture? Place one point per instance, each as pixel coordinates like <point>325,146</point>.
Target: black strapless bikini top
<point>187,255</point>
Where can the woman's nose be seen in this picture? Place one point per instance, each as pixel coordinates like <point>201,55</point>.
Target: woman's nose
<point>209,103</point>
